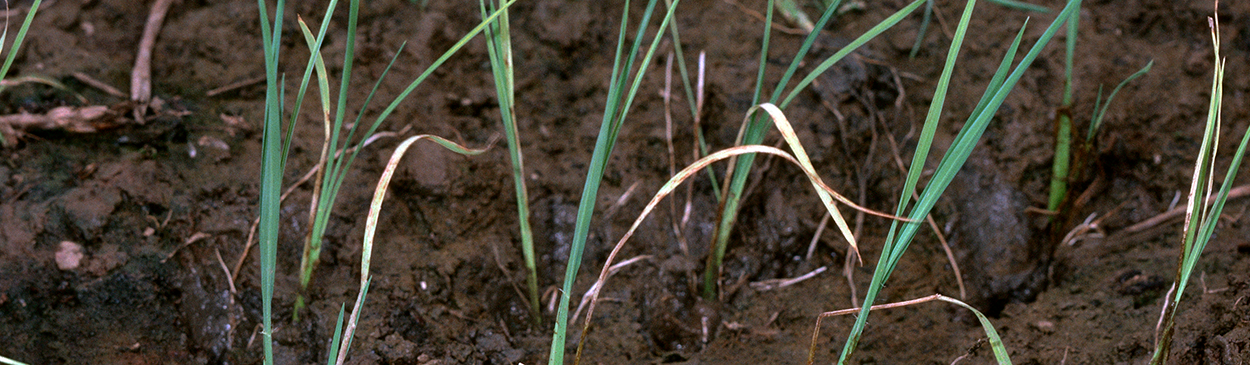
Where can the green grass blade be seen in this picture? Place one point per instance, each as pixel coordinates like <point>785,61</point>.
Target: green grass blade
<point>872,33</point>
<point>336,167</point>
<point>349,333</point>
<point>333,352</point>
<point>499,49</point>
<point>1063,132</point>
<point>754,134</point>
<point>1020,5</point>
<point>271,169</point>
<point>924,29</point>
<point>996,342</point>
<point>802,53</point>
<point>17,41</point>
<point>1100,109</point>
<point>934,114</point>
<point>616,110</point>
<point>950,164</point>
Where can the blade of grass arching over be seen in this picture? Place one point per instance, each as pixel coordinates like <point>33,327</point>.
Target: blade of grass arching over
<point>1200,221</point>
<point>1100,108</point>
<point>371,225</point>
<point>499,49</point>
<point>799,158</point>
<point>616,110</point>
<point>336,167</point>
<point>754,134</point>
<point>314,62</point>
<point>271,169</point>
<point>952,161</point>
<point>996,342</point>
<point>1063,131</point>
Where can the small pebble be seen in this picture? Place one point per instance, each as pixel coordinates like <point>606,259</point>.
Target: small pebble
<point>68,256</point>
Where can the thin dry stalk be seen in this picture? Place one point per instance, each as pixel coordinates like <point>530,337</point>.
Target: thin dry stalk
<point>672,156</point>
<point>234,86</point>
<point>593,292</point>
<point>141,75</point>
<point>1236,192</point>
<point>100,85</point>
<point>822,316</point>
<point>771,284</point>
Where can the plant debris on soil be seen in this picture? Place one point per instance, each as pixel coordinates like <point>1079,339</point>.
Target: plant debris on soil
<point>118,244</point>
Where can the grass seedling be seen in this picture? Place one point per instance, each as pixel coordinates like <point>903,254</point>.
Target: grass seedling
<point>273,165</point>
<point>1063,120</point>
<point>499,47</point>
<point>622,88</point>
<point>1100,106</point>
<point>5,360</point>
<point>334,167</point>
<point>1200,219</point>
<point>754,133</point>
<point>1001,84</point>
<point>799,157</point>
<point>276,145</point>
<point>1065,163</point>
<point>371,222</point>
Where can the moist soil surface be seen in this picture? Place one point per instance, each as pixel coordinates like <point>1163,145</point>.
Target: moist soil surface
<point>128,245</point>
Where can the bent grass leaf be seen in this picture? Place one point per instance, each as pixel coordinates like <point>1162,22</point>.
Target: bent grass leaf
<point>799,158</point>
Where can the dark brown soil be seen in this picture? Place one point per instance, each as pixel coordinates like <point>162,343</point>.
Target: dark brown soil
<point>162,210</point>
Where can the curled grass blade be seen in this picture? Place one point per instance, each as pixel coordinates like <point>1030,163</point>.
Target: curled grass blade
<point>667,189</point>
<point>379,193</point>
<point>371,225</point>
<point>335,168</point>
<point>996,342</point>
<point>799,158</point>
<point>754,133</point>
